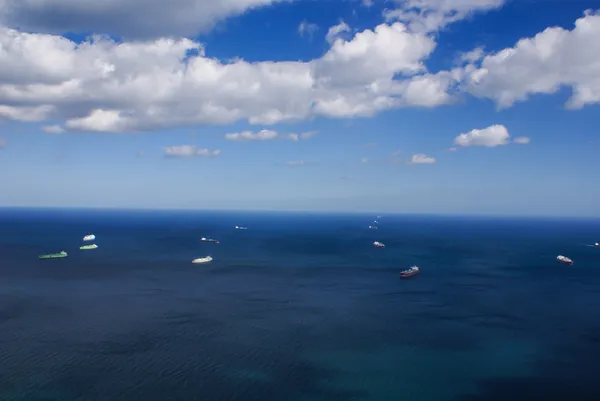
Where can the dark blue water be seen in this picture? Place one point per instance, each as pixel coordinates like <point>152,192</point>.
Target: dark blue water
<point>297,308</point>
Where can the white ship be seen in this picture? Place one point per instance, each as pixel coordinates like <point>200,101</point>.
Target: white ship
<point>373,227</point>
<point>564,260</point>
<point>89,237</point>
<point>241,228</point>
<point>204,239</point>
<point>378,244</point>
<point>205,259</point>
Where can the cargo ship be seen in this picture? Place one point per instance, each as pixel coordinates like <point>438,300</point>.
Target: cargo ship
<point>61,254</point>
<point>414,270</point>
<point>564,260</point>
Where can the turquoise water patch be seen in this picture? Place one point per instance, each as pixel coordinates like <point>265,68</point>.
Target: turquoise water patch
<point>422,374</point>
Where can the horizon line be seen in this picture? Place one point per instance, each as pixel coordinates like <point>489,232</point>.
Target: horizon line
<point>304,211</point>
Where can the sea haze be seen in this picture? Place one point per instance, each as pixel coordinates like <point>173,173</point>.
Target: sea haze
<point>299,307</point>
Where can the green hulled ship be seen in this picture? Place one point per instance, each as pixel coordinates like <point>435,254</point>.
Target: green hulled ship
<point>85,247</point>
<point>61,254</point>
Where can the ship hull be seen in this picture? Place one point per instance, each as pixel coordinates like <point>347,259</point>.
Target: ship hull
<point>52,256</point>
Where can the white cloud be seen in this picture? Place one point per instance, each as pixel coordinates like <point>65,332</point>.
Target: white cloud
<point>190,151</point>
<point>22,113</point>
<point>432,15</point>
<point>263,135</point>
<point>492,136</point>
<point>336,31</point>
<point>123,17</point>
<point>364,160</point>
<point>267,135</point>
<point>53,129</point>
<point>452,149</point>
<point>367,3</point>
<point>301,137</point>
<point>307,28</point>
<point>522,140</point>
<point>473,55</point>
<point>101,85</point>
<point>421,158</point>
<point>297,163</point>
<point>543,64</point>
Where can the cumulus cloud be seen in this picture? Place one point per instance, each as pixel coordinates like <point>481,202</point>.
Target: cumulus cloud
<point>543,64</point>
<point>432,15</point>
<point>123,17</point>
<point>307,28</point>
<point>190,151</point>
<point>336,31</point>
<point>53,129</point>
<point>472,56</point>
<point>421,158</point>
<point>490,137</point>
<point>107,86</point>
<point>267,135</point>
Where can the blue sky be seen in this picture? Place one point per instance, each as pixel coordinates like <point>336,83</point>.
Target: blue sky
<point>91,126</point>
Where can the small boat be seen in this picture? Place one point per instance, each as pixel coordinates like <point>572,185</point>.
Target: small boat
<point>241,228</point>
<point>597,244</point>
<point>373,227</point>
<point>205,259</point>
<point>85,247</point>
<point>414,270</point>
<point>378,244</point>
<point>61,254</point>
<point>89,237</point>
<point>564,260</point>
<point>204,239</point>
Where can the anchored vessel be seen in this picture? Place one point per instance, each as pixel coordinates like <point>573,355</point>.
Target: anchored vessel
<point>85,247</point>
<point>205,259</point>
<point>414,270</point>
<point>564,260</point>
<point>61,254</point>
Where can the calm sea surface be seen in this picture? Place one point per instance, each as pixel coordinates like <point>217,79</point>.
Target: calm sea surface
<point>299,307</point>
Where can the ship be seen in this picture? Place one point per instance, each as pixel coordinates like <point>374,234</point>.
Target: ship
<point>204,239</point>
<point>89,237</point>
<point>241,228</point>
<point>61,254</point>
<point>373,227</point>
<point>85,247</point>
<point>564,260</point>
<point>412,271</point>
<point>597,244</point>
<point>205,259</point>
<point>378,244</point>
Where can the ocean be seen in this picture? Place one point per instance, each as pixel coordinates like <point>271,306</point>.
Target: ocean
<point>299,307</point>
